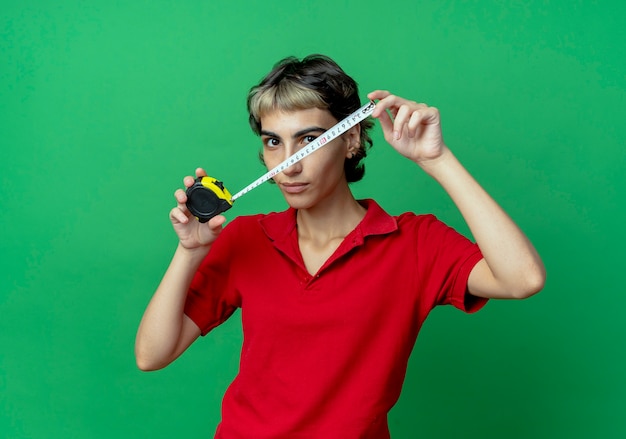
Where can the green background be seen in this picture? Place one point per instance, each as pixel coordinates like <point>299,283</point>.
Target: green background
<point>104,106</point>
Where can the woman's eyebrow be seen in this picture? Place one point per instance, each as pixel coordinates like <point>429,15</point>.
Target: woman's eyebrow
<point>309,130</point>
<point>300,133</point>
<point>269,134</point>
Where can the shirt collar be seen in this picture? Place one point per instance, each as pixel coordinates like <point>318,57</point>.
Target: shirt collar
<point>278,226</point>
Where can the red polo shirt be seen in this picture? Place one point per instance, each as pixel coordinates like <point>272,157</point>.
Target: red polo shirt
<point>325,355</point>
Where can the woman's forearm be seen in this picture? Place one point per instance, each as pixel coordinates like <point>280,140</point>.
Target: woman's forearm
<point>515,269</point>
<point>164,332</point>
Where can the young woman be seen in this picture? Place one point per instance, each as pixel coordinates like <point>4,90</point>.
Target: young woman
<point>332,291</point>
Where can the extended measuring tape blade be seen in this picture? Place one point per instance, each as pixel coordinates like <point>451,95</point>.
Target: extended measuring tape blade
<point>320,141</point>
<point>208,197</point>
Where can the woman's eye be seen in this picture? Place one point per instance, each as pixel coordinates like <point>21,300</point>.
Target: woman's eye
<point>271,142</point>
<point>308,139</point>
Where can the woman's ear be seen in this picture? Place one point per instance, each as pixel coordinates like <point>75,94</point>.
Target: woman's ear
<point>353,140</point>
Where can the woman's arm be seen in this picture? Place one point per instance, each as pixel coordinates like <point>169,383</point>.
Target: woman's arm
<point>165,331</point>
<point>511,267</point>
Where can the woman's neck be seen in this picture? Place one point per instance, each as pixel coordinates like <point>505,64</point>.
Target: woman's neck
<point>332,219</point>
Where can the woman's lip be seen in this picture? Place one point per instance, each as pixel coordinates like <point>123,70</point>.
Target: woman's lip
<point>294,188</point>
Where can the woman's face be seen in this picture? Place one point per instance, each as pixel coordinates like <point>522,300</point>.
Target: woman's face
<point>319,175</point>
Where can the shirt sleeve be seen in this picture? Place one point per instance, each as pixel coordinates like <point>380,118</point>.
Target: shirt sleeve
<point>211,298</point>
<point>445,260</point>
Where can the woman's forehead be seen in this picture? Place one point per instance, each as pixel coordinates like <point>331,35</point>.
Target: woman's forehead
<point>294,120</point>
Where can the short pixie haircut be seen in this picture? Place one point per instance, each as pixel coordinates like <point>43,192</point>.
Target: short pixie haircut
<point>316,81</point>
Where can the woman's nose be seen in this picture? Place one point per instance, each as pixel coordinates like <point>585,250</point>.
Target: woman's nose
<point>293,169</point>
<point>296,166</point>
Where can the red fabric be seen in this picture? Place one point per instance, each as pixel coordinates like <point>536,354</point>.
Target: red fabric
<point>325,355</point>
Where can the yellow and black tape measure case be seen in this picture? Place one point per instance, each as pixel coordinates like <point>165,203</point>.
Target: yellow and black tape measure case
<point>208,197</point>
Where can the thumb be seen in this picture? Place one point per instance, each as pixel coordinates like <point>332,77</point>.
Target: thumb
<point>216,223</point>
<point>386,124</point>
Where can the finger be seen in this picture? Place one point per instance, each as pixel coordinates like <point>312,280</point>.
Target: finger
<point>200,172</point>
<point>215,223</point>
<point>181,196</point>
<point>402,117</point>
<point>414,124</point>
<point>385,105</point>
<point>377,94</point>
<point>430,116</point>
<point>188,181</point>
<point>385,101</point>
<point>178,216</point>
<point>392,104</point>
<point>386,124</point>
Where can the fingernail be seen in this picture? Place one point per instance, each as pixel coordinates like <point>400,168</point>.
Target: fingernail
<point>396,135</point>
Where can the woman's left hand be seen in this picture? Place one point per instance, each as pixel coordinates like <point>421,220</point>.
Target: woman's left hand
<point>413,129</point>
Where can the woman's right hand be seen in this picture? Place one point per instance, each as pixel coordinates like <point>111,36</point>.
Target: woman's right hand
<point>193,234</point>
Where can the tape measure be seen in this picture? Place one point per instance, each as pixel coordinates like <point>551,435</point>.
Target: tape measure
<point>208,197</point>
